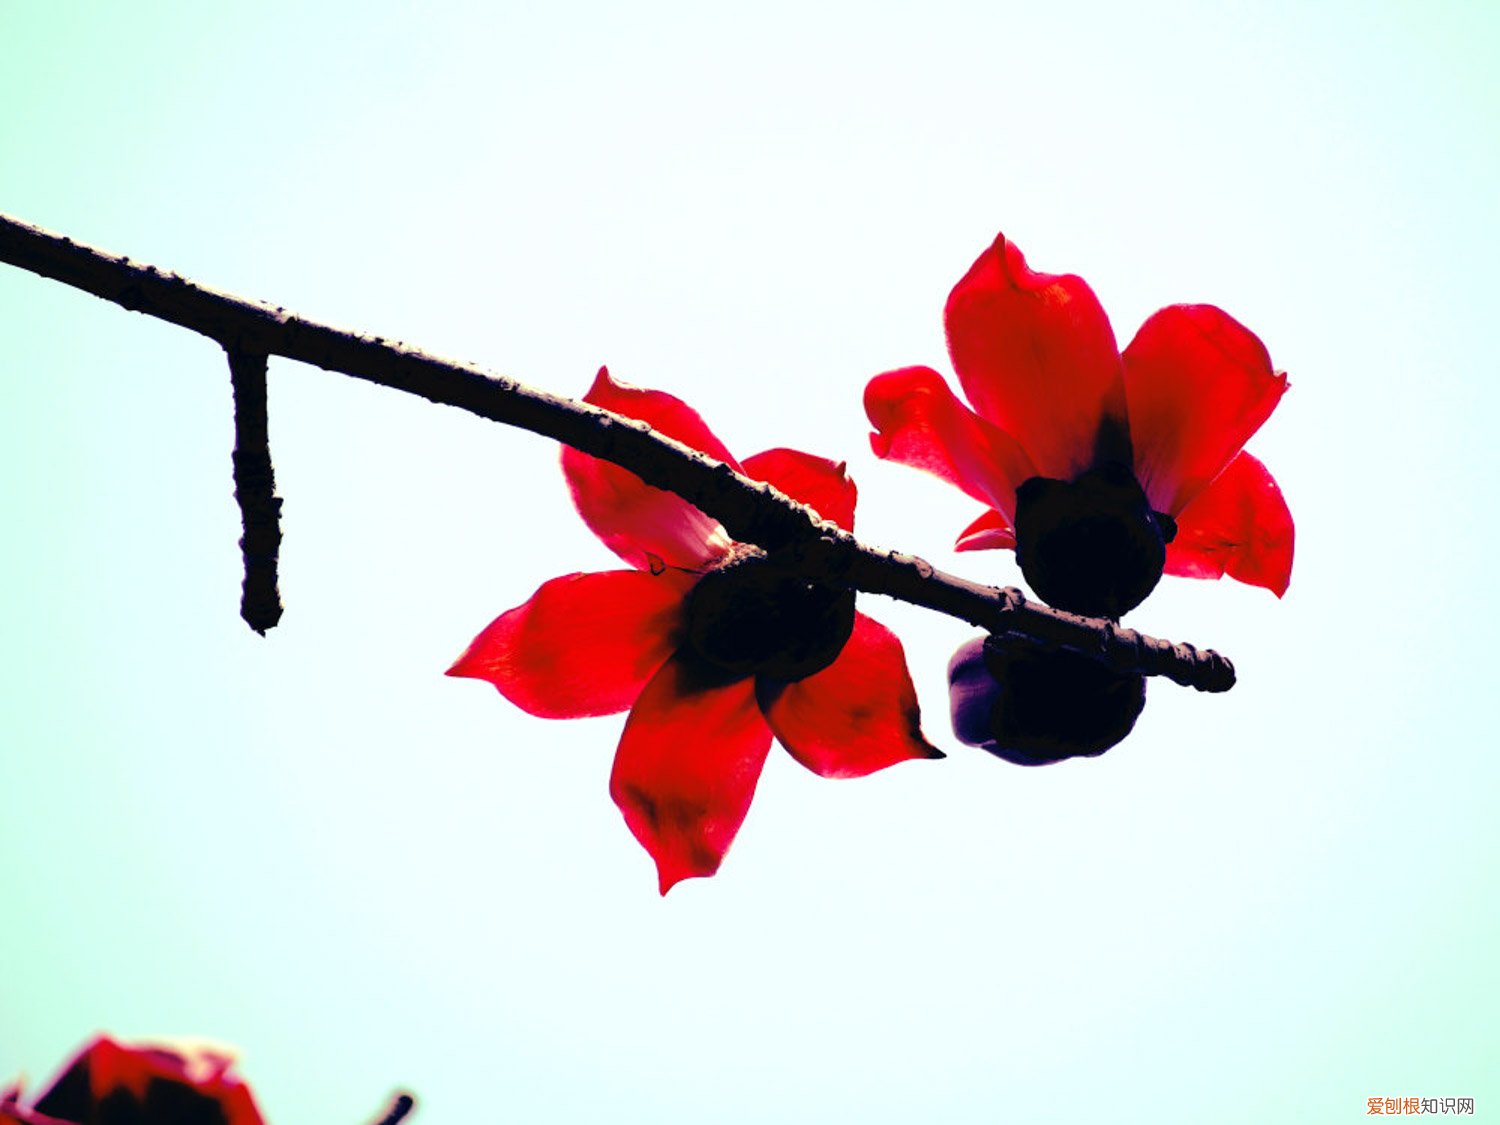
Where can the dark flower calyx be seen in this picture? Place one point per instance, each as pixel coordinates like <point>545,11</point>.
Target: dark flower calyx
<point>1091,545</point>
<point>161,1100</point>
<point>1034,708</point>
<point>753,616</point>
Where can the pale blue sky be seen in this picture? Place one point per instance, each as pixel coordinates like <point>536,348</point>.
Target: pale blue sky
<point>1269,905</point>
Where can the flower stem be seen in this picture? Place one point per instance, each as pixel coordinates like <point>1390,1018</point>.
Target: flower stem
<point>751,511</point>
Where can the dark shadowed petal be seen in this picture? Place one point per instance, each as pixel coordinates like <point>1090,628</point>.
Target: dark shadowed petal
<point>1199,384</point>
<point>1240,526</point>
<point>920,422</point>
<point>856,716</point>
<point>585,644</point>
<point>1037,357</point>
<point>686,769</point>
<point>821,484</point>
<point>637,522</point>
<point>990,531</point>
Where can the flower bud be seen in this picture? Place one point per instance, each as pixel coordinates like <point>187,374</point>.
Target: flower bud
<point>1033,708</point>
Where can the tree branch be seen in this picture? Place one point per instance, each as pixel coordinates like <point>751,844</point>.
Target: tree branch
<point>255,491</point>
<point>751,511</point>
<point>401,1105</point>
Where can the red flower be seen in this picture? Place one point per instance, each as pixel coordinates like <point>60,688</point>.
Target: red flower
<point>1054,398</point>
<point>711,647</point>
<point>109,1083</point>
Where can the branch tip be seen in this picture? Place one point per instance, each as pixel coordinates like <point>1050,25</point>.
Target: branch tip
<point>401,1105</point>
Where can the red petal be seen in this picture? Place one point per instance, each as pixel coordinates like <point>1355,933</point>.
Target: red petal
<point>1199,384</point>
<point>1240,526</point>
<point>635,521</point>
<point>990,531</point>
<point>585,644</point>
<point>821,484</point>
<point>1037,357</point>
<point>686,770</point>
<point>921,423</point>
<point>856,716</point>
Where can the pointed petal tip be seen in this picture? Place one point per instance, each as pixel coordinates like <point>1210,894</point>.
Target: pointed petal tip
<point>1278,583</point>
<point>1013,262</point>
<point>602,381</point>
<point>464,666</point>
<point>667,878</point>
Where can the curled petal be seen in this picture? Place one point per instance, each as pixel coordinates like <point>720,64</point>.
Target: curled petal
<point>687,768</point>
<point>646,526</point>
<point>856,716</point>
<point>989,532</point>
<point>920,422</point>
<point>1037,357</point>
<point>585,644</point>
<point>821,484</point>
<point>1199,384</point>
<point>1240,526</point>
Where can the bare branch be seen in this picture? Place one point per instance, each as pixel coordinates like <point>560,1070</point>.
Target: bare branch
<point>750,511</point>
<point>255,491</point>
<point>401,1105</point>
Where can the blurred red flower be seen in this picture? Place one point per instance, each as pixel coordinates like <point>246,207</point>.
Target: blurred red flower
<point>1054,398</point>
<point>711,648</point>
<point>110,1083</point>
